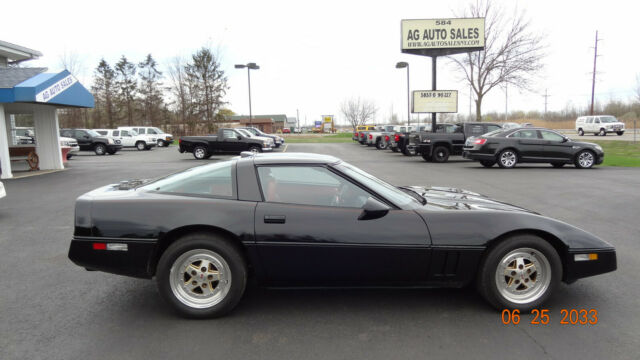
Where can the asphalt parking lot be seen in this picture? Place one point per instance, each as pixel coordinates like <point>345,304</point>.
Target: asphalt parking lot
<point>52,309</point>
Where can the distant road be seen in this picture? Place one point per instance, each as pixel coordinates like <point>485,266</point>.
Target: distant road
<point>628,136</point>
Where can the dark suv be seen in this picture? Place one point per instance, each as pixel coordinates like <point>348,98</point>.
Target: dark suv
<point>89,140</point>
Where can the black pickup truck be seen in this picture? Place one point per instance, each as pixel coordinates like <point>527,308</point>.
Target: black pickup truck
<point>439,146</point>
<point>227,141</point>
<point>89,140</point>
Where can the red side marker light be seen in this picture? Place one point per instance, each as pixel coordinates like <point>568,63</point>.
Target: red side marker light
<point>99,246</point>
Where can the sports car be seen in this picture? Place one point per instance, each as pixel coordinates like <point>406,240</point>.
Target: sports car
<point>308,220</point>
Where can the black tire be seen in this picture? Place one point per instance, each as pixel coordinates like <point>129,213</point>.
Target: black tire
<point>580,132</point>
<point>487,278</point>
<point>111,152</point>
<point>602,132</point>
<point>507,164</point>
<point>620,133</point>
<point>379,145</point>
<point>200,152</point>
<point>394,149</point>
<point>160,143</point>
<point>255,149</point>
<point>440,154</point>
<point>406,152</point>
<point>141,145</point>
<point>487,163</point>
<point>581,161</point>
<point>69,156</point>
<point>229,252</point>
<point>100,149</point>
<point>557,165</point>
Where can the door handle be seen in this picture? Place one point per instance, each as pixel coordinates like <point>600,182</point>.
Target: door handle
<point>274,219</point>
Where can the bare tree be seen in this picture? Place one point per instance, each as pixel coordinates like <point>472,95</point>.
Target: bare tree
<point>513,52</point>
<point>358,111</point>
<point>73,117</point>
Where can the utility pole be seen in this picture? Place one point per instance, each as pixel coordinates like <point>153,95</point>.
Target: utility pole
<point>546,97</point>
<point>593,83</point>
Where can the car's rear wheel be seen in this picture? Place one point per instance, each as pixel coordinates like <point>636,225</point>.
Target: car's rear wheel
<point>520,272</point>
<point>140,145</point>
<point>585,159</point>
<point>100,149</point>
<point>557,164</point>
<point>620,133</point>
<point>487,163</point>
<point>380,145</point>
<point>440,154</point>
<point>200,153</point>
<point>580,132</point>
<point>507,159</point>
<point>202,276</point>
<point>255,149</point>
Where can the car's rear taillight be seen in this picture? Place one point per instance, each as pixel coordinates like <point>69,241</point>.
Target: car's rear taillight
<point>180,141</point>
<point>361,135</point>
<point>396,137</point>
<point>386,138</point>
<point>370,136</point>
<point>480,141</point>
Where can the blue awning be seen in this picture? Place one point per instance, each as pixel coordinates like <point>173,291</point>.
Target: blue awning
<point>58,89</point>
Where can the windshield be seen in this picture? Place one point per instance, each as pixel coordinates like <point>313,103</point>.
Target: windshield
<point>389,191</point>
<point>157,131</point>
<point>93,133</point>
<point>253,131</point>
<point>244,132</point>
<point>608,119</point>
<point>493,133</point>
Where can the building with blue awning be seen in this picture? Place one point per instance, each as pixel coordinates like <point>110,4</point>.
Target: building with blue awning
<point>38,93</point>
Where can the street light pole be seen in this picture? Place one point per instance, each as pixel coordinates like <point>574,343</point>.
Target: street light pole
<point>401,65</point>
<point>249,66</point>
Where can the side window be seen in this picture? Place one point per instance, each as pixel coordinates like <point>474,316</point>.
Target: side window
<point>550,135</point>
<point>67,133</point>
<point>125,133</point>
<point>589,121</point>
<point>525,134</point>
<point>229,134</point>
<point>116,133</point>
<point>596,120</point>
<point>80,134</point>
<point>151,131</point>
<point>309,185</point>
<point>141,131</point>
<point>102,132</point>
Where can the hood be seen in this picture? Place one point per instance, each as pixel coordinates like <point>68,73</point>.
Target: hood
<point>446,198</point>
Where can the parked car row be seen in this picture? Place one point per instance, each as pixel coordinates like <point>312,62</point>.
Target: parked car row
<point>229,141</point>
<point>488,143</point>
<point>110,141</point>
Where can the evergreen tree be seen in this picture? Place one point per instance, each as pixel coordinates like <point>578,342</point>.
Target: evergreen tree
<point>127,85</point>
<point>151,91</point>
<point>104,92</point>
<point>208,85</point>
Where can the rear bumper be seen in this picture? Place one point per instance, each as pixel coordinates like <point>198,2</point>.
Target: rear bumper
<point>135,261</point>
<point>473,155</point>
<point>573,270</point>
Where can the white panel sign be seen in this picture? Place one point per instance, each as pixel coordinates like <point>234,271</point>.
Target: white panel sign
<point>56,89</point>
<point>435,34</point>
<point>435,101</point>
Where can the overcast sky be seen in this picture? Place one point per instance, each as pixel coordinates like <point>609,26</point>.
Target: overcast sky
<point>313,55</point>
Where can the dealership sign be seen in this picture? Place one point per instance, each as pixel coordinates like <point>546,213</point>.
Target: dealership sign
<point>435,101</point>
<point>435,37</point>
<point>56,89</point>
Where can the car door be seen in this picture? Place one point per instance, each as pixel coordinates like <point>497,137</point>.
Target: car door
<point>309,231</point>
<point>555,146</point>
<point>230,141</point>
<point>127,139</point>
<point>528,144</point>
<point>84,140</point>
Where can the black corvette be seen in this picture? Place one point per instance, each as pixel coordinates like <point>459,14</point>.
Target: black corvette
<point>314,221</point>
<point>531,145</point>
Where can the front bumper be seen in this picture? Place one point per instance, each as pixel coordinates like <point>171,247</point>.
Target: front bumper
<point>573,270</point>
<point>114,147</point>
<point>135,261</point>
<point>267,148</point>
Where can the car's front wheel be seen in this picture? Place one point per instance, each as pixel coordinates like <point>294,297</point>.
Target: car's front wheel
<point>100,149</point>
<point>380,145</point>
<point>585,159</point>
<point>160,143</point>
<point>620,133</point>
<point>520,272</point>
<point>255,149</point>
<point>202,275</point>
<point>200,153</point>
<point>140,145</point>
<point>603,132</point>
<point>440,154</point>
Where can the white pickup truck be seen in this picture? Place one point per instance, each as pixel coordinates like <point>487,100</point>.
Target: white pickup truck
<point>130,138</point>
<point>376,137</point>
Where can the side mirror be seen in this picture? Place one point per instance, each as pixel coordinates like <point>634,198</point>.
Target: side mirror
<point>373,209</point>
<point>565,139</point>
<point>239,137</point>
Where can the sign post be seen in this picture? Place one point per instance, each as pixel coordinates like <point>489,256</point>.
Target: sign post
<point>441,37</point>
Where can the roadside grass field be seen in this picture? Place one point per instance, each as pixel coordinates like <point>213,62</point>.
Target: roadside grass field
<point>620,153</point>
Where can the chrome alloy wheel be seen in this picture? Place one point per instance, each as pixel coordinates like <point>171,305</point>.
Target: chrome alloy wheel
<point>585,159</point>
<point>199,153</point>
<point>200,278</point>
<point>254,150</point>
<point>508,158</point>
<point>523,275</point>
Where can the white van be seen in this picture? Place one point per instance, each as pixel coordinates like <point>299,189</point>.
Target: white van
<point>129,138</point>
<point>162,138</point>
<point>599,125</point>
